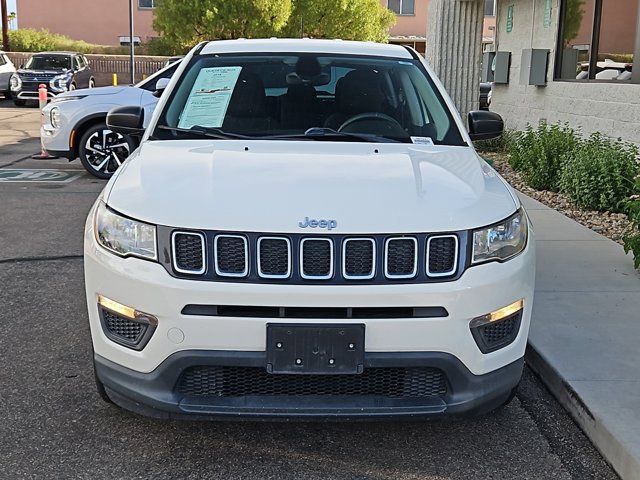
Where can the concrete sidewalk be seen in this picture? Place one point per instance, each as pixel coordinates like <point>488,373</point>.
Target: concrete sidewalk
<point>585,333</point>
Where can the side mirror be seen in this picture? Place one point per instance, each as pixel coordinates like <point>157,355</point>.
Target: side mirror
<point>126,120</point>
<point>161,85</point>
<point>484,125</point>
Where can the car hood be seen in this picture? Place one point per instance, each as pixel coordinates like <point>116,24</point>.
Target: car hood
<point>270,186</point>
<point>41,72</point>
<point>89,92</point>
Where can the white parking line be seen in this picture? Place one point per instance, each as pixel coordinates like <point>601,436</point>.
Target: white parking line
<point>39,175</point>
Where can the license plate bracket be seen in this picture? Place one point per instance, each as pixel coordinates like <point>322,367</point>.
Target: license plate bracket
<point>315,349</point>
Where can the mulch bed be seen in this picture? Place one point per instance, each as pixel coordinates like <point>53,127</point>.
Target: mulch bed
<point>611,225</point>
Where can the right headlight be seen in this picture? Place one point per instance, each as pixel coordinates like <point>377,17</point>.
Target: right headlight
<point>54,117</point>
<point>15,82</point>
<point>501,241</point>
<point>124,236</point>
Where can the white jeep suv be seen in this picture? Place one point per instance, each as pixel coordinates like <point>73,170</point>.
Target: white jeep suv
<point>307,231</point>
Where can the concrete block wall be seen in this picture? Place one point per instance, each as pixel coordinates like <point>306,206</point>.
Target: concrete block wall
<point>610,108</point>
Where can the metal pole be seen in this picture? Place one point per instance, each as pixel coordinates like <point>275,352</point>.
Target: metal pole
<point>5,25</point>
<point>131,47</point>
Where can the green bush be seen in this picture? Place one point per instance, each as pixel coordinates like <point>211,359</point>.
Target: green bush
<point>537,154</point>
<point>162,46</point>
<point>632,238</point>
<point>32,40</point>
<point>599,173</point>
<point>496,145</point>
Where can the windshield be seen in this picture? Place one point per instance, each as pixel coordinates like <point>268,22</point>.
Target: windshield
<point>341,97</point>
<point>48,62</point>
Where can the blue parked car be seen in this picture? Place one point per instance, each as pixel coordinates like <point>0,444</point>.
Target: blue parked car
<point>59,71</point>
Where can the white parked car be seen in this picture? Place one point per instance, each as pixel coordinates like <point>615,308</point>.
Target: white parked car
<point>7,69</point>
<point>306,230</point>
<point>75,125</point>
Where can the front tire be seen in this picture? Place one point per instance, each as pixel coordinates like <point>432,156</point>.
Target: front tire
<point>102,151</point>
<point>92,83</point>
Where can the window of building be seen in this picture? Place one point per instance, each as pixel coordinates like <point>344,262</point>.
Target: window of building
<point>597,40</point>
<point>402,7</point>
<point>146,3</point>
<point>489,8</point>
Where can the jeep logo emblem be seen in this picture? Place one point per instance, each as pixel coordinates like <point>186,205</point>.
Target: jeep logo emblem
<point>313,223</point>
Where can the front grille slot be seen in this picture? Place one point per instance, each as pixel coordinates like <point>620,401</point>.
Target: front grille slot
<point>274,257</point>
<point>358,258</point>
<point>316,258</point>
<point>393,382</point>
<point>401,257</point>
<point>313,312</point>
<point>231,256</point>
<point>442,255</point>
<point>188,249</point>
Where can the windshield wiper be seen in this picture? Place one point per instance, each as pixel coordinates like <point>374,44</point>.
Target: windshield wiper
<point>320,133</point>
<point>209,132</point>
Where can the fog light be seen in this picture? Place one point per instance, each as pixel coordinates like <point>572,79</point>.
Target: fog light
<point>499,314</point>
<point>125,325</point>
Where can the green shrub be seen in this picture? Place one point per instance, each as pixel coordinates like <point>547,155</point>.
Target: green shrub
<point>599,173</point>
<point>496,145</point>
<point>537,154</point>
<point>162,46</point>
<point>632,238</point>
<point>32,40</point>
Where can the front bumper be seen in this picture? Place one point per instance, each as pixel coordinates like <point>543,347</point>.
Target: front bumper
<point>145,380</point>
<point>154,394</point>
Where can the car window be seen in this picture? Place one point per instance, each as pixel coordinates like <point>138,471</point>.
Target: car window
<point>77,63</point>
<point>150,83</point>
<point>48,62</point>
<point>3,60</point>
<point>274,95</point>
<point>85,62</point>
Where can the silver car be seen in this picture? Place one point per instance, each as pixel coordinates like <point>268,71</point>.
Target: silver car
<point>74,123</point>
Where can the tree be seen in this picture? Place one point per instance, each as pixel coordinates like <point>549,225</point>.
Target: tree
<point>346,19</point>
<point>573,20</point>
<point>183,23</point>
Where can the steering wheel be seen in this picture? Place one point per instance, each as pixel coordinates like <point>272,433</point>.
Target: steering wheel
<point>373,116</point>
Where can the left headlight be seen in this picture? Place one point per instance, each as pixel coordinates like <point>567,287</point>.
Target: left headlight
<point>58,83</point>
<point>501,241</point>
<point>124,236</point>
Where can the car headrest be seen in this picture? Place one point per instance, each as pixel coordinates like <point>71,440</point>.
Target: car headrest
<point>248,98</point>
<point>360,91</point>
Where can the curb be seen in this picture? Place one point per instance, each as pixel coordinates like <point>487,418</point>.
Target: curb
<point>616,453</point>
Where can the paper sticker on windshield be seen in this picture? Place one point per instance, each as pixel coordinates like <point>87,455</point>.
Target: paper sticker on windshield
<point>422,140</point>
<point>209,98</point>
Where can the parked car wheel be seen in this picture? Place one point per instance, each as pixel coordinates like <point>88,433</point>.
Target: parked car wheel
<point>72,87</point>
<point>92,83</point>
<point>102,151</point>
<point>19,102</point>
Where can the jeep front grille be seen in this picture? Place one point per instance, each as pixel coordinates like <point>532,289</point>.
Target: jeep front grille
<point>328,259</point>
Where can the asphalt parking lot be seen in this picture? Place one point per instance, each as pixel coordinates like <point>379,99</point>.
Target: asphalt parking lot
<point>53,424</point>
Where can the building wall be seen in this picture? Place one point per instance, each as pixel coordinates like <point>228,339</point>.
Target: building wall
<point>407,25</point>
<point>610,108</point>
<point>94,21</point>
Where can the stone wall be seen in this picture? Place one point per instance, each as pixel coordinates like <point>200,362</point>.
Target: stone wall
<point>610,108</point>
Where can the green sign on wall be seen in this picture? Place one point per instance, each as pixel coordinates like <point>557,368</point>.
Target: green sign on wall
<point>509,18</point>
<point>547,13</point>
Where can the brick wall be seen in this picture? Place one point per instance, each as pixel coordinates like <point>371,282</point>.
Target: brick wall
<point>610,108</point>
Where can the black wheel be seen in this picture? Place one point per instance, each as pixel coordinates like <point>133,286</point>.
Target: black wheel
<point>100,387</point>
<point>102,151</point>
<point>92,83</point>
<point>19,102</point>
<point>72,87</point>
